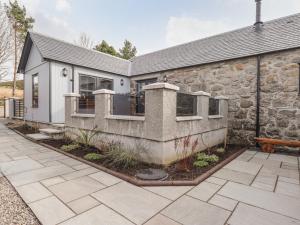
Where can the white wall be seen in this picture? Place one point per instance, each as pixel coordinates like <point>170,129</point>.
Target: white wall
<point>61,85</point>
<point>36,65</point>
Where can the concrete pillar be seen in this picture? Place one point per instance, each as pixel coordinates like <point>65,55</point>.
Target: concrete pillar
<point>160,111</point>
<point>223,105</point>
<point>70,106</point>
<point>202,103</point>
<point>102,106</point>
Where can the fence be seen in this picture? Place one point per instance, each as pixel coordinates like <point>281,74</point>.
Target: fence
<point>85,104</point>
<point>128,104</point>
<point>186,104</point>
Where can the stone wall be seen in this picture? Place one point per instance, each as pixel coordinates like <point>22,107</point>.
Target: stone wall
<point>280,100</point>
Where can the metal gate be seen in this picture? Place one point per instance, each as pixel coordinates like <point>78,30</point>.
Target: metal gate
<point>18,108</point>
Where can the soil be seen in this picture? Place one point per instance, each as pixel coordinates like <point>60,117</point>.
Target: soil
<point>174,170</point>
<point>25,129</point>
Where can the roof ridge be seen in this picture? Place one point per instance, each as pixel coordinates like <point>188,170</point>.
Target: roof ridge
<point>214,36</point>
<point>76,45</point>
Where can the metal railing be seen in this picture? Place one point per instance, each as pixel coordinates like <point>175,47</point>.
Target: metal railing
<point>85,104</point>
<point>186,104</point>
<point>214,107</point>
<point>18,108</point>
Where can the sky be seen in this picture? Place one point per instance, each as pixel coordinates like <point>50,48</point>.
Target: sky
<point>149,24</point>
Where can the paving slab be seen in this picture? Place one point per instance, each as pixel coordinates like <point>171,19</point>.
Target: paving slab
<point>266,162</point>
<point>248,215</point>
<point>289,166</point>
<point>52,181</point>
<point>18,166</point>
<point>131,201</point>
<point>80,173</point>
<point>288,180</point>
<point>288,189</point>
<point>70,162</point>
<point>77,188</point>
<point>189,211</point>
<point>261,155</point>
<point>45,155</point>
<point>33,192</point>
<point>38,175</point>
<point>204,191</point>
<point>243,167</point>
<point>280,171</point>
<point>4,158</point>
<point>81,166</point>
<point>83,204</point>
<point>283,158</point>
<point>239,177</point>
<point>161,220</point>
<point>245,156</point>
<point>216,180</point>
<point>51,211</point>
<point>170,192</point>
<point>100,215</point>
<point>223,202</point>
<point>105,178</point>
<point>266,182</point>
<point>271,201</point>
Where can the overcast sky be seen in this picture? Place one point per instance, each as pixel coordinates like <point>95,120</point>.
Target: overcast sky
<point>149,24</point>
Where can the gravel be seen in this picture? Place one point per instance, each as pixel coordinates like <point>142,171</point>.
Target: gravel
<point>13,211</point>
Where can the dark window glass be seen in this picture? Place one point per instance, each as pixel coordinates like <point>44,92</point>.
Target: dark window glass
<point>35,91</point>
<point>186,105</point>
<point>140,94</point>
<point>214,107</point>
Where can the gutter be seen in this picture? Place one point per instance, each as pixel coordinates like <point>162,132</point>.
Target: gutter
<point>50,94</point>
<point>258,89</point>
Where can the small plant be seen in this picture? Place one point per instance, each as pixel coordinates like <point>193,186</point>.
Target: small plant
<point>220,150</point>
<point>201,164</point>
<point>204,159</point>
<point>121,158</point>
<point>85,137</point>
<point>93,156</point>
<point>69,147</point>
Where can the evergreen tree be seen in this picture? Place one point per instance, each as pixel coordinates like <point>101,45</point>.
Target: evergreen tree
<point>128,51</point>
<point>106,48</point>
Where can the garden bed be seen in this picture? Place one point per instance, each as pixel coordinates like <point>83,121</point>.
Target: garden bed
<point>183,172</point>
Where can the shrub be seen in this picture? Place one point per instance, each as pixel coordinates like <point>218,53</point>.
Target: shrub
<point>121,158</point>
<point>93,156</point>
<point>220,150</point>
<point>85,137</point>
<point>204,160</point>
<point>200,164</point>
<point>69,147</point>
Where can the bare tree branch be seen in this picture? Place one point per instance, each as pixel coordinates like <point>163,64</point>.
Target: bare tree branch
<point>84,41</point>
<point>5,41</point>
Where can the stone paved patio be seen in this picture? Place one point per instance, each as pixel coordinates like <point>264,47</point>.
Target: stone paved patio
<point>255,188</point>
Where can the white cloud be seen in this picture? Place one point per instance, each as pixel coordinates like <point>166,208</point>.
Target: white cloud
<point>184,29</point>
<point>63,5</point>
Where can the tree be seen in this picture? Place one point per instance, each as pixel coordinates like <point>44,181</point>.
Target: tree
<point>20,23</point>
<point>106,48</point>
<point>5,42</point>
<point>128,51</point>
<point>84,41</point>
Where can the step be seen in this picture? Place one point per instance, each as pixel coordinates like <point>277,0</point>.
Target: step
<point>38,136</point>
<point>50,131</point>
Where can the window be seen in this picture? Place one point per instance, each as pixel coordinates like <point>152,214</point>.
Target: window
<point>35,91</point>
<point>88,84</point>
<point>186,104</point>
<point>214,107</point>
<point>140,94</point>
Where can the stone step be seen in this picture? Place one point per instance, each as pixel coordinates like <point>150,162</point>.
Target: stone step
<point>38,136</point>
<point>50,131</point>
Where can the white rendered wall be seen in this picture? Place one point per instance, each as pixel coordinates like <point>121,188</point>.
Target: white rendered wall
<point>61,85</point>
<point>36,65</point>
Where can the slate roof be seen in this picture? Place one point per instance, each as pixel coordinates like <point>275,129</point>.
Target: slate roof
<point>53,49</point>
<point>276,35</point>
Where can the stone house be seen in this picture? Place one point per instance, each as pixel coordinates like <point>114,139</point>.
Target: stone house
<point>257,67</point>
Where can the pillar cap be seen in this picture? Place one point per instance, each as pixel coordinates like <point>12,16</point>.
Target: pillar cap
<point>161,86</point>
<point>72,95</point>
<point>201,93</point>
<point>103,91</point>
<point>221,97</point>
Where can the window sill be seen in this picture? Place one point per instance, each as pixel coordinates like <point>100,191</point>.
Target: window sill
<point>120,117</point>
<point>83,115</point>
<point>215,117</point>
<point>188,118</point>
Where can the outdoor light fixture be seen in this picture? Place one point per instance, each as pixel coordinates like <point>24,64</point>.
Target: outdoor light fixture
<point>122,82</point>
<point>64,72</point>
<point>165,78</point>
